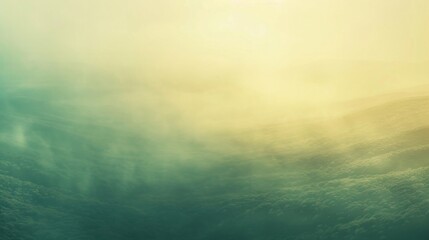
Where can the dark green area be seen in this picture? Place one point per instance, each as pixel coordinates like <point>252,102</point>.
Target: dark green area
<point>68,172</point>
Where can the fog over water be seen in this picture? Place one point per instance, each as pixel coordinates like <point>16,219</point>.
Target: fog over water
<point>214,119</point>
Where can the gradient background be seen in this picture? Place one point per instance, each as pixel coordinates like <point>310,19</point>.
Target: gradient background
<point>226,119</point>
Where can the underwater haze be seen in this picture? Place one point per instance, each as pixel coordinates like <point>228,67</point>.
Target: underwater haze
<point>228,119</point>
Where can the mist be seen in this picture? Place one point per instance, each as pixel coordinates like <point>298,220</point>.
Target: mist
<point>214,119</point>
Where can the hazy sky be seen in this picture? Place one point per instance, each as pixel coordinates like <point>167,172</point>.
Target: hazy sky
<point>222,57</point>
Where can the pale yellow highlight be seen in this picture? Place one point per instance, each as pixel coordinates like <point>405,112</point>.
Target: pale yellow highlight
<point>227,62</point>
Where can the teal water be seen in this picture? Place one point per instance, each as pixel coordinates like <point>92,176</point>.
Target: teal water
<point>72,168</point>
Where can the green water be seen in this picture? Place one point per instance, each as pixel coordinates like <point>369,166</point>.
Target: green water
<point>72,168</point>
